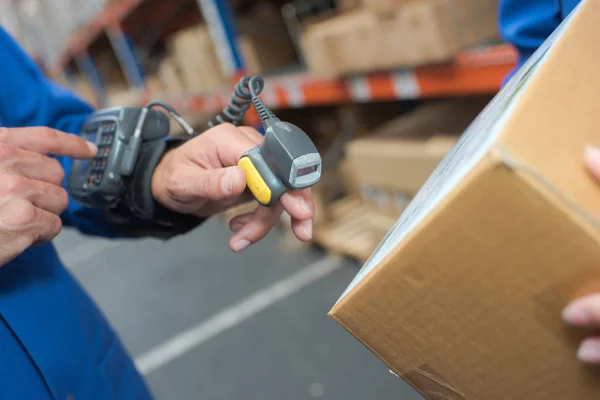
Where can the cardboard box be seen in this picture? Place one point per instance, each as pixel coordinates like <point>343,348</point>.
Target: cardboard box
<point>109,70</point>
<point>347,5</point>
<point>396,165</point>
<point>383,5</point>
<point>343,44</point>
<point>377,5</point>
<point>119,96</point>
<point>262,54</point>
<point>195,56</point>
<point>463,297</point>
<point>154,85</point>
<point>170,76</point>
<point>84,90</point>
<point>264,41</point>
<point>415,33</point>
<point>433,118</point>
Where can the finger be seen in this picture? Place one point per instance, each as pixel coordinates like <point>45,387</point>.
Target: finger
<point>225,141</point>
<point>263,220</point>
<point>589,351</point>
<point>591,159</point>
<point>239,221</point>
<point>251,134</point>
<point>583,312</point>
<point>44,195</point>
<point>303,229</point>
<point>299,204</point>
<point>48,197</point>
<point>219,185</point>
<point>48,228</point>
<point>38,167</point>
<point>48,141</point>
<point>31,224</point>
<point>30,164</point>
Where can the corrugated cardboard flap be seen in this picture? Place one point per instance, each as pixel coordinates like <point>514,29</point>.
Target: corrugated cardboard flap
<point>467,311</point>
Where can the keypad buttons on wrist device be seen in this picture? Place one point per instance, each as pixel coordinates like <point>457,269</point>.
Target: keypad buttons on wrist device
<point>105,136</point>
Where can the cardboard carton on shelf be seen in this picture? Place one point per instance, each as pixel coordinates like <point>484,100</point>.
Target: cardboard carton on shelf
<point>432,117</point>
<point>432,31</point>
<point>84,90</point>
<point>347,5</point>
<point>389,171</point>
<point>196,59</point>
<point>412,34</point>
<point>377,5</point>
<point>263,54</point>
<point>397,165</point>
<point>108,68</point>
<point>383,5</point>
<point>154,84</point>
<point>463,297</point>
<point>264,41</point>
<point>122,96</point>
<point>350,42</point>
<point>170,76</point>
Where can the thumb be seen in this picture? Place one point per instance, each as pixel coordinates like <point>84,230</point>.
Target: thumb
<point>220,184</point>
<point>591,158</point>
<point>584,312</point>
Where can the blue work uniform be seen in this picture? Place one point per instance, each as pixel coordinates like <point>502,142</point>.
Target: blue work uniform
<point>527,23</point>
<point>54,341</point>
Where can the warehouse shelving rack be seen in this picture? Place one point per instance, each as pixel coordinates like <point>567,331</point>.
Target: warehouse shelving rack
<point>475,71</point>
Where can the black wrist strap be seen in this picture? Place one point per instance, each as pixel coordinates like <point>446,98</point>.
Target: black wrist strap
<point>138,196</point>
<point>139,192</point>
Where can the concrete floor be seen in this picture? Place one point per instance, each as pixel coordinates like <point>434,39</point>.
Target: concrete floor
<point>274,340</point>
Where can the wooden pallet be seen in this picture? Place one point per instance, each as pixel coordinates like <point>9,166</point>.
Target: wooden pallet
<point>355,230</point>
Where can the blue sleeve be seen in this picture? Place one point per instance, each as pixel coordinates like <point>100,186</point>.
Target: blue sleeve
<point>527,23</point>
<point>28,98</point>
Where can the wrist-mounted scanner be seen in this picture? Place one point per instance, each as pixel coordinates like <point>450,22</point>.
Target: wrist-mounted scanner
<point>132,140</point>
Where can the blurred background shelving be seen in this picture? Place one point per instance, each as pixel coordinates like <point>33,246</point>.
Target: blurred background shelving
<point>192,51</point>
<point>342,69</point>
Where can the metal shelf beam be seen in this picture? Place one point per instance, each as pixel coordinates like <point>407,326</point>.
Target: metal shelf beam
<point>126,56</point>
<point>221,27</point>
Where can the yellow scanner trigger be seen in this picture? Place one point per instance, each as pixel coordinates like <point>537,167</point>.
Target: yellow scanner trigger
<point>255,182</point>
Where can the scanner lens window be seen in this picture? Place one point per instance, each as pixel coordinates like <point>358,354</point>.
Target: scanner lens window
<point>306,170</point>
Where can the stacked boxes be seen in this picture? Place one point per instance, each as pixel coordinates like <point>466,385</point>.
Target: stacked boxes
<point>412,33</point>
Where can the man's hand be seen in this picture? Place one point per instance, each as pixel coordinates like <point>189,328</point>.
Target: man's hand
<point>31,196</point>
<point>202,178</point>
<point>585,312</point>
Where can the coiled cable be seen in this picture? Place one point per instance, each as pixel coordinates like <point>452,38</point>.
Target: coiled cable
<point>244,92</point>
